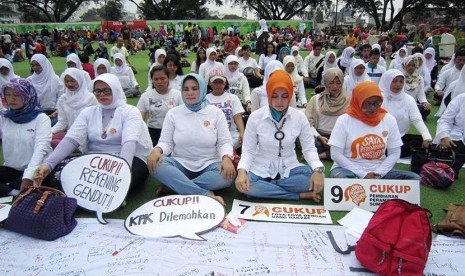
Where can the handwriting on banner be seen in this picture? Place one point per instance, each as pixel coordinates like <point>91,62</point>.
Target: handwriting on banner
<point>99,182</point>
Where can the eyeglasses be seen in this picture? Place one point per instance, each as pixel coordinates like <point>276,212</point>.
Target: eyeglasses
<point>372,105</point>
<point>102,92</point>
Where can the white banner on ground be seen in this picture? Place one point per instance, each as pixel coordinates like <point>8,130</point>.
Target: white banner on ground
<point>368,194</point>
<point>280,212</point>
<point>4,211</point>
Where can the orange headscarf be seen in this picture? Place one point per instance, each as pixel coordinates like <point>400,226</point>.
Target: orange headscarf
<point>361,92</point>
<point>279,79</point>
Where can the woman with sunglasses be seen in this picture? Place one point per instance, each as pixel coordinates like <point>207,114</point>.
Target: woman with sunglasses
<point>111,126</point>
<point>361,137</point>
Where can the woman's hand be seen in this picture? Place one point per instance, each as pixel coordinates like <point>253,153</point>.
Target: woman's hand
<point>372,175</point>
<point>446,143</point>
<point>426,144</point>
<point>53,115</point>
<point>40,174</point>
<point>426,105</point>
<point>323,140</point>
<point>317,182</point>
<point>242,181</point>
<point>155,158</point>
<point>227,167</point>
<point>25,184</point>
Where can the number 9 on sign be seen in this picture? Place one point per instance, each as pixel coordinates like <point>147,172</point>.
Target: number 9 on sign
<point>337,194</point>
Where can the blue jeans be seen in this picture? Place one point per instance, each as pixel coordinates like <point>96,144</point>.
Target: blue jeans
<point>392,174</point>
<point>283,188</point>
<point>184,182</point>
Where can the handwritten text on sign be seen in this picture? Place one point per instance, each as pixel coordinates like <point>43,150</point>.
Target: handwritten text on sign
<point>176,215</point>
<point>99,182</point>
<point>280,212</point>
<point>368,194</point>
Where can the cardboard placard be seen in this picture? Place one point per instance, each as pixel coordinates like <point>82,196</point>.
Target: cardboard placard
<point>176,215</point>
<point>343,194</point>
<point>99,182</point>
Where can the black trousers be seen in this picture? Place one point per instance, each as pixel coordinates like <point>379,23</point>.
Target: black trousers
<point>155,135</point>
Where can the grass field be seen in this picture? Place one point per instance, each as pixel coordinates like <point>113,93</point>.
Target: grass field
<point>434,200</point>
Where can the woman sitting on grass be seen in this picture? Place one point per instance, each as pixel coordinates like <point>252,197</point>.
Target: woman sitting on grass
<point>197,137</point>
<point>25,132</point>
<point>269,167</point>
<point>362,136</point>
<point>111,126</point>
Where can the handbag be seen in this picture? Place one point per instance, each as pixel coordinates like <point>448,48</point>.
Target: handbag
<point>454,222</point>
<point>437,175</point>
<point>421,156</point>
<point>43,213</point>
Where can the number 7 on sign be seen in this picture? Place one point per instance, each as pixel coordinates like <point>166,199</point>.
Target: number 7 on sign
<point>245,208</point>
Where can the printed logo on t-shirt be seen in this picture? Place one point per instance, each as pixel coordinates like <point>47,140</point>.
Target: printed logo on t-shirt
<point>356,192</point>
<point>206,123</point>
<point>112,131</point>
<point>369,147</point>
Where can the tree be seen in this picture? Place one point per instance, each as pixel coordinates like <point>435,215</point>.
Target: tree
<point>378,9</point>
<point>49,10</point>
<point>281,9</point>
<point>173,9</point>
<point>113,10</point>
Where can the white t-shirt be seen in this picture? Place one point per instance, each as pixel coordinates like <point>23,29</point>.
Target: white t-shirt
<point>25,146</point>
<point>365,146</point>
<point>195,139</point>
<point>157,105</point>
<point>231,105</point>
<point>250,62</point>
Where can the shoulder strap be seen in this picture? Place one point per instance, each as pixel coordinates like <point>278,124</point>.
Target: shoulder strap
<point>349,249</point>
<point>319,62</point>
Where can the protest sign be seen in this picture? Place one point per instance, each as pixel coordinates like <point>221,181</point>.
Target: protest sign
<point>176,215</point>
<point>368,194</point>
<point>280,212</point>
<point>99,182</point>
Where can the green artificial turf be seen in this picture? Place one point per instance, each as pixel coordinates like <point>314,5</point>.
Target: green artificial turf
<point>434,200</point>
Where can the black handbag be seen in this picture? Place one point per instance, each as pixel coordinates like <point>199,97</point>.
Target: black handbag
<point>43,213</point>
<point>421,156</point>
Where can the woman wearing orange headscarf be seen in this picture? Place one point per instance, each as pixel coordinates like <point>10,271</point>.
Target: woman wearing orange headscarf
<point>362,136</point>
<point>269,167</point>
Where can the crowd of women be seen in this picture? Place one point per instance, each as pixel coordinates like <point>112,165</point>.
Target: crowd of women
<point>186,130</point>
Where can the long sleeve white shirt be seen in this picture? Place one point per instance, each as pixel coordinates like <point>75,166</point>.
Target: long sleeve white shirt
<point>452,122</point>
<point>25,145</point>
<point>260,149</point>
<point>446,78</point>
<point>196,139</point>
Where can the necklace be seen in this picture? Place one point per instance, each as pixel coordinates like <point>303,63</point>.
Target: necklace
<point>104,131</point>
<point>279,135</point>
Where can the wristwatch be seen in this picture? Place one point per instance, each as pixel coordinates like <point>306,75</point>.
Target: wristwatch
<point>319,169</point>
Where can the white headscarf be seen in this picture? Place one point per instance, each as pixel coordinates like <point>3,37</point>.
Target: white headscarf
<point>351,80</point>
<point>270,68</point>
<point>398,60</point>
<point>119,69</point>
<point>74,58</point>
<point>81,97</point>
<point>116,89</point>
<point>236,52</point>
<point>423,70</point>
<point>43,82</point>
<point>208,53</point>
<point>294,75</point>
<point>11,75</point>
<point>328,65</point>
<point>460,84</point>
<point>346,57</point>
<point>385,86</point>
<point>430,63</point>
<point>233,77</point>
<point>100,61</point>
<point>159,52</point>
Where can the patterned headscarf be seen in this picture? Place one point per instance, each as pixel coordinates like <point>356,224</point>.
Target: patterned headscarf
<point>202,101</point>
<point>31,107</point>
